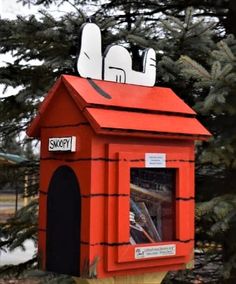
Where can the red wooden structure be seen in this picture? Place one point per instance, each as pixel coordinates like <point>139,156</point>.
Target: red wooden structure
<point>85,192</point>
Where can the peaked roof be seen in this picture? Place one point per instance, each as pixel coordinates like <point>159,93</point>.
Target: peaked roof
<point>114,108</point>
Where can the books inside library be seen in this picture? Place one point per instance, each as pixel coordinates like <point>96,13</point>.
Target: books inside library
<point>152,205</point>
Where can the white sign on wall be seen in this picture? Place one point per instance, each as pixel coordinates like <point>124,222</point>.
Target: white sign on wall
<point>115,64</point>
<point>155,160</point>
<point>62,144</point>
<point>155,251</point>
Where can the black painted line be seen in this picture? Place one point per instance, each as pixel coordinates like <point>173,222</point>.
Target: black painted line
<point>139,110</point>
<point>136,160</point>
<point>109,160</point>
<point>96,194</point>
<point>120,69</point>
<point>124,243</point>
<point>185,198</point>
<point>142,160</point>
<point>105,244</point>
<point>67,125</point>
<point>86,55</point>
<point>118,195</point>
<point>104,195</point>
<point>99,89</point>
<point>81,159</point>
<point>185,241</point>
<point>42,230</point>
<point>155,133</point>
<point>181,160</point>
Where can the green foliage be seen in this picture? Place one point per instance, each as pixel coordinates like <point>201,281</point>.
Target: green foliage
<point>16,270</point>
<point>19,228</point>
<point>219,103</point>
<point>13,234</point>
<point>219,212</point>
<point>217,217</point>
<point>190,37</point>
<point>221,80</point>
<point>195,58</point>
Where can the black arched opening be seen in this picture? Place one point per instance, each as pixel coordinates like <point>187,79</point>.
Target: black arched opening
<point>63,223</point>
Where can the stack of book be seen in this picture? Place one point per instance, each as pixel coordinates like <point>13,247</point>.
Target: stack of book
<point>146,212</point>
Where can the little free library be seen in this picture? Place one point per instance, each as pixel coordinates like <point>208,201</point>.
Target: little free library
<point>116,178</point>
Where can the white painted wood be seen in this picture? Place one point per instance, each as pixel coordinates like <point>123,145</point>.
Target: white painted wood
<point>118,67</point>
<point>155,251</point>
<point>62,144</point>
<point>89,63</point>
<point>155,160</point>
<point>116,64</point>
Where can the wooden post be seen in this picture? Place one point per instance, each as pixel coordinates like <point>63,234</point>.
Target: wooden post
<point>16,200</point>
<point>150,278</point>
<point>26,184</point>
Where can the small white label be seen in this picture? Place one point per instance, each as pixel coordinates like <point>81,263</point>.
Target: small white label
<point>155,251</point>
<point>64,144</point>
<point>155,160</point>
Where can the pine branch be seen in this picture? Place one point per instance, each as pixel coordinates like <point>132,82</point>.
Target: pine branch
<point>223,45</point>
<point>79,10</point>
<point>17,270</point>
<point>200,71</point>
<point>188,17</point>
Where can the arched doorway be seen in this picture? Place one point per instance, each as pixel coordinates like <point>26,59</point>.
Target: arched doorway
<point>63,223</point>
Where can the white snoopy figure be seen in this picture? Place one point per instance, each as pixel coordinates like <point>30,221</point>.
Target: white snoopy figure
<point>116,63</point>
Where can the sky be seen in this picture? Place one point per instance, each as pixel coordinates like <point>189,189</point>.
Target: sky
<point>10,8</point>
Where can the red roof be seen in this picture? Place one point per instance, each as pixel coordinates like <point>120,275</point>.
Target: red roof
<point>116,108</point>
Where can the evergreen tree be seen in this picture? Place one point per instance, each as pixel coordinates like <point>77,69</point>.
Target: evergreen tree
<point>218,159</point>
<point>222,10</point>
<point>181,38</point>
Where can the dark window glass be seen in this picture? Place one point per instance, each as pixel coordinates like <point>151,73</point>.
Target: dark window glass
<point>152,206</point>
